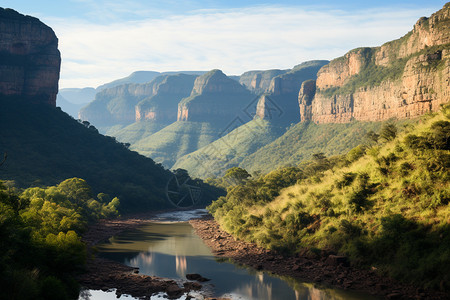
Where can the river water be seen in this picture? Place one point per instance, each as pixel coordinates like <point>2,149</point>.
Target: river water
<point>170,248</point>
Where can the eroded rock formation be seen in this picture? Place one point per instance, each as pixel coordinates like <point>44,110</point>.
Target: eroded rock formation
<point>162,105</point>
<point>401,79</point>
<point>259,81</point>
<point>215,98</point>
<point>279,103</point>
<point>29,58</point>
<point>127,103</point>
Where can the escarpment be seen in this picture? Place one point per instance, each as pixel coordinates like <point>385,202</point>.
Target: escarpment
<point>29,58</point>
<point>259,81</point>
<point>279,103</point>
<point>163,104</point>
<point>127,103</point>
<point>116,105</point>
<point>214,98</point>
<point>401,79</point>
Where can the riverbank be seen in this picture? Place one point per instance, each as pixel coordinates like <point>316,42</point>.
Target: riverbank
<point>326,269</point>
<point>103,274</point>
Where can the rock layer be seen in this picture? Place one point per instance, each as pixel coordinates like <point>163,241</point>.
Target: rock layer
<point>116,105</point>
<point>29,58</point>
<point>259,81</point>
<point>279,103</point>
<point>162,106</point>
<point>401,79</point>
<point>214,98</point>
<point>127,103</point>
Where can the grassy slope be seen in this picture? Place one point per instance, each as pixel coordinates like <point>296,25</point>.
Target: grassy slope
<point>136,131</point>
<point>46,146</point>
<point>176,140</point>
<point>301,141</point>
<point>228,151</point>
<point>388,209</point>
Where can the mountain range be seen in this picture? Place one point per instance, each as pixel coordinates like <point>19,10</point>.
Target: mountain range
<point>265,119</point>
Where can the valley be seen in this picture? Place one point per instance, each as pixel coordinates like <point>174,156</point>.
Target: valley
<point>328,179</point>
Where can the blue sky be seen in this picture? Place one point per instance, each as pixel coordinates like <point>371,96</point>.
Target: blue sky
<point>103,40</point>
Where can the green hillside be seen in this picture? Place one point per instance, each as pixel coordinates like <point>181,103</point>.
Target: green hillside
<point>385,205</point>
<point>46,146</point>
<point>176,140</point>
<point>136,131</point>
<point>302,140</point>
<point>230,150</point>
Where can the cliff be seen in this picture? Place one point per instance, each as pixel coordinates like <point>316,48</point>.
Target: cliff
<point>279,103</point>
<point>214,98</point>
<point>259,81</point>
<point>400,79</point>
<point>116,105</point>
<point>163,104</point>
<point>29,58</point>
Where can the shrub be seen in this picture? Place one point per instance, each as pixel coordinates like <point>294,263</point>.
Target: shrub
<point>347,179</point>
<point>388,131</point>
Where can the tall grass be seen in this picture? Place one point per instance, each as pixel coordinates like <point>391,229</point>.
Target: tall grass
<point>384,205</point>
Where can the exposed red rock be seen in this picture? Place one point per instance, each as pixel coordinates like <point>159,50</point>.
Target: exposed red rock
<point>417,79</point>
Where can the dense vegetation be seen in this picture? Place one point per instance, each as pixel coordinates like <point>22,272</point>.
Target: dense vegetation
<point>40,246</point>
<point>385,204</point>
<point>46,146</point>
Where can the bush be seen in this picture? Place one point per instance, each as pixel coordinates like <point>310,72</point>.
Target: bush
<point>388,131</point>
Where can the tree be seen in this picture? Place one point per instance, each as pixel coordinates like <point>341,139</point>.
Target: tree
<point>236,175</point>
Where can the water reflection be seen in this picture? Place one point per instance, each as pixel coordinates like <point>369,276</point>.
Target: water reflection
<point>181,265</point>
<point>173,250</point>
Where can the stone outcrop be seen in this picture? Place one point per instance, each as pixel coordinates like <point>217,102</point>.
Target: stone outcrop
<point>306,96</point>
<point>29,58</point>
<point>279,103</point>
<point>259,81</point>
<point>401,79</point>
<point>116,105</point>
<point>122,104</point>
<point>163,104</point>
<point>214,98</point>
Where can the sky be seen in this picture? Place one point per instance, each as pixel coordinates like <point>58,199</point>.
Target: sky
<point>103,40</point>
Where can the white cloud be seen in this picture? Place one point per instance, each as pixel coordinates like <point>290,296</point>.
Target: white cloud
<point>234,40</point>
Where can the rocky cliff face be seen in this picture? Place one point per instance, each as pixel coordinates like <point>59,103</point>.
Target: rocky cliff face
<point>279,103</point>
<point>306,96</point>
<point>116,105</point>
<point>29,58</point>
<point>214,97</point>
<point>401,79</point>
<point>259,81</point>
<point>163,104</point>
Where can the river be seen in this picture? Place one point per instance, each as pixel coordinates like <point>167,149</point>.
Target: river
<point>170,248</point>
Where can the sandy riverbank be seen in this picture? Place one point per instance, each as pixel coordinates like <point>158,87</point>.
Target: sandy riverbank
<point>327,269</point>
